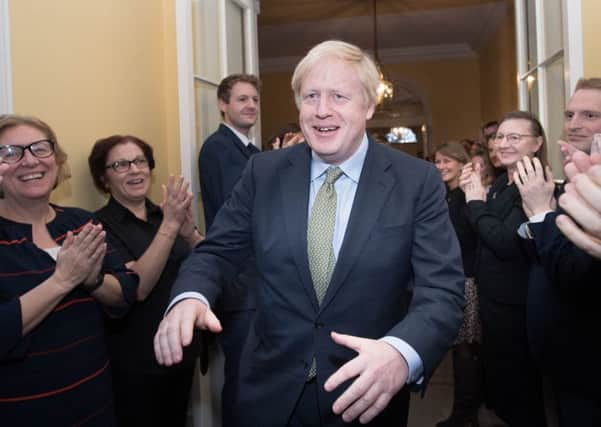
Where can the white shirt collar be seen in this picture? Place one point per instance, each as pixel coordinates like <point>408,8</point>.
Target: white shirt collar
<point>351,167</point>
<point>245,139</point>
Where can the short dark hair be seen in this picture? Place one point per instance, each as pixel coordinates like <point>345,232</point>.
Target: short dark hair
<point>101,150</point>
<point>224,90</point>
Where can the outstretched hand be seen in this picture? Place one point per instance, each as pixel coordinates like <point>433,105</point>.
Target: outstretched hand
<point>379,371</point>
<point>177,329</point>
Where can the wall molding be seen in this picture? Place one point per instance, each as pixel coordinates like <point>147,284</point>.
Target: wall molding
<point>387,56</point>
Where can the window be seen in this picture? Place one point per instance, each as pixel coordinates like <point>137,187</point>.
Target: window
<point>549,49</point>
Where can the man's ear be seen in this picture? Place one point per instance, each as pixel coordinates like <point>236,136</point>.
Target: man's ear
<point>370,111</point>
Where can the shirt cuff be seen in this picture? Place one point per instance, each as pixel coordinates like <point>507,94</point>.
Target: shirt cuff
<point>184,295</point>
<point>539,217</point>
<point>414,362</point>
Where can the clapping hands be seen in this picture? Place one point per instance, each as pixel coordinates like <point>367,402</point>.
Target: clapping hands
<point>80,257</point>
<point>176,205</point>
<point>536,187</point>
<point>470,182</point>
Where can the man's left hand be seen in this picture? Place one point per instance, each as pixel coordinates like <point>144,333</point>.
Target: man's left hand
<point>379,371</point>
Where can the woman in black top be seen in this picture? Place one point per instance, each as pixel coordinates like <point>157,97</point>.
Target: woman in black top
<point>449,158</point>
<point>513,383</point>
<point>153,241</point>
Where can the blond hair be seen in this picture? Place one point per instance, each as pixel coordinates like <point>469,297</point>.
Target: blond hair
<point>364,66</point>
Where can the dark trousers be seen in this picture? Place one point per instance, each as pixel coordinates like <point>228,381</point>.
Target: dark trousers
<point>574,409</point>
<point>512,380</point>
<point>236,326</point>
<point>148,400</point>
<point>308,412</point>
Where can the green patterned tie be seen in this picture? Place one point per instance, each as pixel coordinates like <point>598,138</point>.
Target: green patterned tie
<point>320,233</point>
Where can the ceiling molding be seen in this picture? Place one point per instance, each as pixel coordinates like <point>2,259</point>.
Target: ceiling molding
<point>387,56</point>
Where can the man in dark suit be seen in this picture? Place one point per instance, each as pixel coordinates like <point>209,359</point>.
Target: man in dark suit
<point>563,291</point>
<point>339,227</point>
<point>221,161</point>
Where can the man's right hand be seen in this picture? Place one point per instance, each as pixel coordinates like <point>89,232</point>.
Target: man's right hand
<point>177,329</point>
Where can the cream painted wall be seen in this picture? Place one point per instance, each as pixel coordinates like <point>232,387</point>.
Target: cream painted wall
<point>451,89</point>
<point>591,40</point>
<point>498,80</point>
<point>92,69</point>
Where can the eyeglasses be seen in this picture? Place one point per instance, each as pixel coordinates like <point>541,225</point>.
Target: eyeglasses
<point>512,138</point>
<point>14,153</point>
<point>123,165</point>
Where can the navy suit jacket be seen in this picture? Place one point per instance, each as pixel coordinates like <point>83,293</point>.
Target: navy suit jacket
<point>221,161</point>
<point>563,310</point>
<point>398,233</point>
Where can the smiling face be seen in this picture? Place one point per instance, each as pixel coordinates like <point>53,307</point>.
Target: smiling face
<point>509,153</point>
<point>449,169</point>
<point>243,106</point>
<point>492,153</point>
<point>582,118</point>
<point>31,178</point>
<point>131,186</point>
<point>333,110</point>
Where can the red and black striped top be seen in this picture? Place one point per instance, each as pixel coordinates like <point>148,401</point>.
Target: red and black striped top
<point>58,374</point>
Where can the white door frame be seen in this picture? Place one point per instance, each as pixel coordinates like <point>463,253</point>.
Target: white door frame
<point>6,83</point>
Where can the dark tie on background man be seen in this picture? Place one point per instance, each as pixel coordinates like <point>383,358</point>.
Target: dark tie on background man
<point>251,148</point>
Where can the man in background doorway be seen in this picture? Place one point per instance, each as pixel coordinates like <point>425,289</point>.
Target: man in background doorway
<point>222,158</point>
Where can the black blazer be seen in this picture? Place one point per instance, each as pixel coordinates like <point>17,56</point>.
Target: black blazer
<point>398,232</point>
<point>501,266</point>
<point>221,161</point>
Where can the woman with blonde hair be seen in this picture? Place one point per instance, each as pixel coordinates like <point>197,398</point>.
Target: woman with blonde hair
<point>57,278</point>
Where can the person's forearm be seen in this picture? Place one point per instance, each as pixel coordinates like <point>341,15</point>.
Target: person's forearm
<point>40,301</point>
<point>109,293</point>
<point>152,262</point>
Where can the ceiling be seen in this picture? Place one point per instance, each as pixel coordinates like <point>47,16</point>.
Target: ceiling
<point>408,30</point>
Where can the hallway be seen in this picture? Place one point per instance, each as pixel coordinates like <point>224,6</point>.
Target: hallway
<point>436,403</point>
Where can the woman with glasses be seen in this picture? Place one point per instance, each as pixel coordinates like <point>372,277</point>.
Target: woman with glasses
<point>153,240</point>
<point>57,277</point>
<point>513,383</point>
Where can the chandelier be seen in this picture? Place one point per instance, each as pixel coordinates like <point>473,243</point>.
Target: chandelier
<point>385,87</point>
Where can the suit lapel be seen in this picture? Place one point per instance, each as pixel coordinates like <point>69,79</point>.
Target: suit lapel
<point>235,140</point>
<point>373,190</point>
<point>294,187</point>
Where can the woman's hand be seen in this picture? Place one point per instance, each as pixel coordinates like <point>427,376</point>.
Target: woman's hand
<point>470,182</point>
<point>188,228</point>
<point>80,256</point>
<point>536,187</point>
<point>176,202</point>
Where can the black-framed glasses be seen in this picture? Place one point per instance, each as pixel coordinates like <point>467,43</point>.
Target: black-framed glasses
<point>14,153</point>
<point>512,138</point>
<point>123,165</point>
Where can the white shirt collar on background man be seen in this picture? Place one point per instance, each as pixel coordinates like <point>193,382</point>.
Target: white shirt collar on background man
<point>245,139</point>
